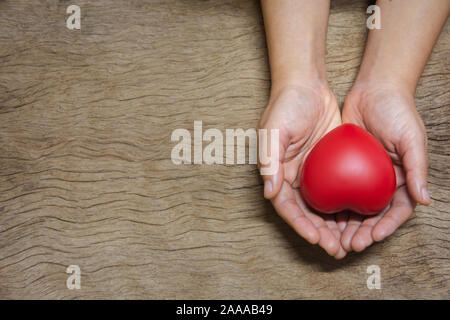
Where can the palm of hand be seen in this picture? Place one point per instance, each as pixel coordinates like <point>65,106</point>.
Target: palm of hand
<point>303,116</point>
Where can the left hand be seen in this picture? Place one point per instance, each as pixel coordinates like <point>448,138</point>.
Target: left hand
<point>388,112</point>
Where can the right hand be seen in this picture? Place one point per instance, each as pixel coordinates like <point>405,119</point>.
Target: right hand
<point>389,113</point>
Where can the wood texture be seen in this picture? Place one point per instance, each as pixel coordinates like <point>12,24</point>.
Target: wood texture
<point>86,177</point>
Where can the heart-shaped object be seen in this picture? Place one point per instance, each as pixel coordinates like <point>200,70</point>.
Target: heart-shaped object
<point>348,169</point>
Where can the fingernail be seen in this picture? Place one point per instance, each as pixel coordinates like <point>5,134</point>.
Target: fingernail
<point>267,187</point>
<point>425,195</point>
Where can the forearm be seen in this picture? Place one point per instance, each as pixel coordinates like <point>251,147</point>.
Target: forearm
<point>397,53</point>
<point>296,35</point>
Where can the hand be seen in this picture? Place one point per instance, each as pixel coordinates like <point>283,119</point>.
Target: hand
<point>388,112</point>
<point>303,114</point>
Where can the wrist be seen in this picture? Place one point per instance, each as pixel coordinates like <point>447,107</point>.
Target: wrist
<point>371,92</point>
<point>298,69</point>
<point>309,76</point>
<point>313,85</point>
<point>297,81</point>
<point>383,75</point>
<point>383,81</point>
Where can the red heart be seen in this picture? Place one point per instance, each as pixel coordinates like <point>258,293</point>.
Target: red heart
<point>348,169</point>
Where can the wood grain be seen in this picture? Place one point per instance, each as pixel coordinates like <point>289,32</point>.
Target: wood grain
<point>86,118</point>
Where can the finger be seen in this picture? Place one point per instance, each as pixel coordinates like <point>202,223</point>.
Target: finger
<point>331,224</point>
<point>363,236</point>
<point>341,253</point>
<point>341,220</point>
<point>273,183</point>
<point>353,223</point>
<point>288,209</point>
<point>330,220</point>
<point>327,239</point>
<point>400,211</point>
<point>414,158</point>
<point>271,151</point>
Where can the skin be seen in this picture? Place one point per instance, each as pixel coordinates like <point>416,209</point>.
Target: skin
<point>382,102</point>
<point>303,108</point>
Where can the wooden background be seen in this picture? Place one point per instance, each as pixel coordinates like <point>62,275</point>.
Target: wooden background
<point>86,177</point>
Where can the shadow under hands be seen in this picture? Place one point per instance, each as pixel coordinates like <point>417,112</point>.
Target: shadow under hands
<point>307,253</point>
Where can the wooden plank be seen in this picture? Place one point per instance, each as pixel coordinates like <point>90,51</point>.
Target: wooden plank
<point>85,124</point>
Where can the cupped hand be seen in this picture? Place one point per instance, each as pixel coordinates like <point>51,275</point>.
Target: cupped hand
<point>388,112</point>
<point>303,115</point>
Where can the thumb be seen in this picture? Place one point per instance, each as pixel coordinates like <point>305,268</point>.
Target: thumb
<point>270,162</point>
<point>273,183</point>
<point>415,163</point>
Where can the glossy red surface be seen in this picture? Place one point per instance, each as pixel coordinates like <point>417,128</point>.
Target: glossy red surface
<point>348,169</point>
